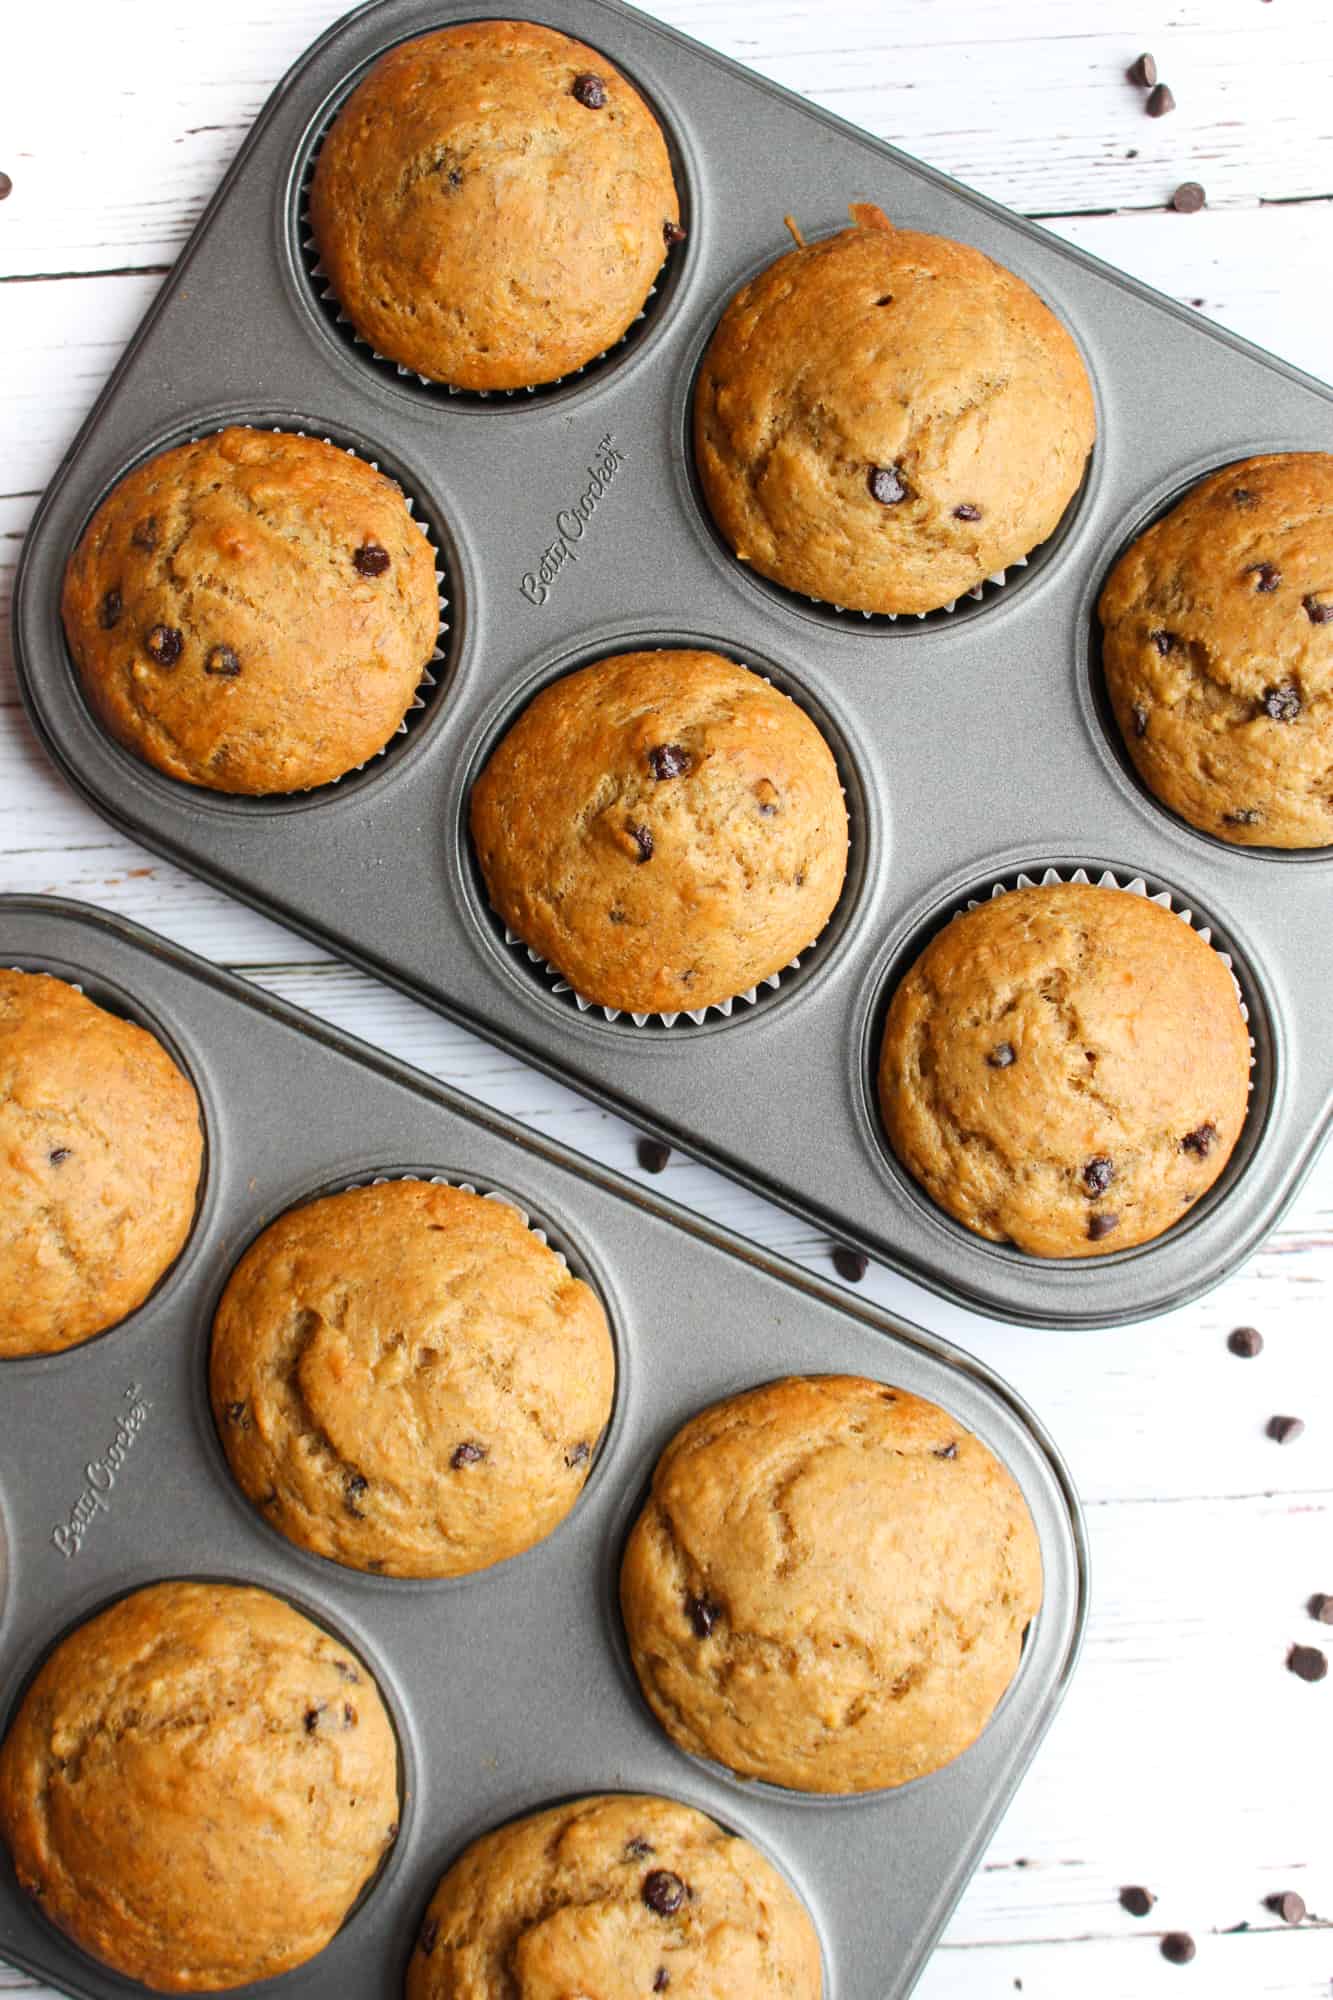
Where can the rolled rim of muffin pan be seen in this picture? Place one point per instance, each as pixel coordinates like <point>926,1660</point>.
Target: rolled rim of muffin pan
<point>326,310</point>
<point>1094,697</point>
<point>539,975</point>
<point>437,673</point>
<point>113,999</point>
<point>563,1244</point>
<point>1254,1008</point>
<point>1002,587</point>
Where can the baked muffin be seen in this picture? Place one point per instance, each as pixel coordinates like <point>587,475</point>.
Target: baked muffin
<point>406,1379</point>
<point>884,419</point>
<point>829,1586</point>
<point>666,829</point>
<point>100,1155</point>
<point>198,1785</point>
<point>492,205</point>
<point>252,612</point>
<point>1066,1068</point>
<point>1218,652</point>
<point>619,1898</point>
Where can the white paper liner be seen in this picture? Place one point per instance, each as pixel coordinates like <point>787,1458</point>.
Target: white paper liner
<point>443,1180</point>
<point>977,592</point>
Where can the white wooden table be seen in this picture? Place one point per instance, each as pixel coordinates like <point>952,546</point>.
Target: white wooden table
<point>1185,1757</point>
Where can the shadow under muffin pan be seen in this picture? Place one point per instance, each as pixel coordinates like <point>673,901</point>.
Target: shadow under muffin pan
<point>507,1687</point>
<point>971,732</point>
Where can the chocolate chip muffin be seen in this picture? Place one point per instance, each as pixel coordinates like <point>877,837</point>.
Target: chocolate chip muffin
<point>666,829</point>
<point>619,1897</point>
<point>1066,1068</point>
<point>100,1155</point>
<point>252,612</point>
<point>198,1785</point>
<point>492,205</point>
<point>1218,652</point>
<point>408,1380</point>
<point>884,419</point>
<point>829,1586</point>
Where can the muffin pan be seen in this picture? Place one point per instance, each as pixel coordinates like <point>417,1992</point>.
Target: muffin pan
<point>510,1689</point>
<point>976,742</point>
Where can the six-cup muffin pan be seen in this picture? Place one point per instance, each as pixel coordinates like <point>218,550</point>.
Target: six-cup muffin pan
<point>975,745</point>
<point>510,1689</point>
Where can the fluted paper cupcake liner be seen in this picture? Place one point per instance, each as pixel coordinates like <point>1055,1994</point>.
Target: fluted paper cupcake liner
<point>463,1187</point>
<point>998,579</point>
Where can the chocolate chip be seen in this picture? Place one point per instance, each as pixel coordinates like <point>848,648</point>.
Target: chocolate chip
<point>663,1892</point>
<point>642,838</point>
<point>430,1936</point>
<point>589,90</point>
<point>112,606</point>
<point>578,1454</point>
<point>1188,198</point>
<point>967,512</point>
<point>1140,715</point>
<point>6,187</point>
<point>222,660</point>
<point>638,1849</point>
<point>850,1264</point>
<point>370,559</point>
<point>661,1979</point>
<point>1160,101</point>
<point>1098,1173</point>
<point>1163,641</point>
<point>703,1614</point>
<point>1246,1341</point>
<point>949,1450</point>
<point>1285,1430</point>
<point>349,1716</point>
<point>653,1155</point>
<point>887,485</point>
<point>1287,1905</point>
<point>1321,1607</point>
<point>58,1155</point>
<point>1100,1226</point>
<point>1243,816</point>
<point>1002,1055</point>
<point>238,1416</point>
<point>1243,496</point>
<point>145,534</point>
<point>1317,613</point>
<point>1199,1141</point>
<point>1177,1947</point>
<point>1307,1663</point>
<point>669,760</point>
<point>1266,578</point>
<point>467,1453</point>
<point>312,1716</point>
<point>1143,71</point>
<point>347,1672</point>
<point>885,299</point>
<point>1137,1901</point>
<point>354,1486</point>
<point>165,644</point>
<point>673,233</point>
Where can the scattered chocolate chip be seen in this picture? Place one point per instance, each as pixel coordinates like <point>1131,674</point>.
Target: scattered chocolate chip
<point>653,1155</point>
<point>661,1979</point>
<point>1001,1056</point>
<point>1266,577</point>
<point>703,1614</point>
<point>145,534</point>
<point>1246,1341</point>
<point>1285,1430</point>
<point>238,1416</point>
<point>949,1450</point>
<point>967,512</point>
<point>1177,1947</point>
<point>1100,1226</point>
<point>1137,1901</point>
<point>1098,1173</point>
<point>1143,71</point>
<point>347,1672</point>
<point>673,233</point>
<point>642,838</point>
<point>1287,1905</point>
<point>455,177</point>
<point>1188,198</point>
<point>1199,1141</point>
<point>589,90</point>
<point>370,559</point>
<point>354,1486</point>
<point>1160,101</point>
<point>349,1716</point>
<point>887,485</point>
<point>1283,704</point>
<point>663,1892</point>
<point>222,660</point>
<point>165,644</point>
<point>6,187</point>
<point>467,1453</point>
<point>1163,641</point>
<point>112,606</point>
<point>1243,816</point>
<point>768,796</point>
<point>850,1264</point>
<point>885,299</point>
<point>638,1849</point>
<point>1317,613</point>
<point>1243,496</point>
<point>58,1155</point>
<point>578,1454</point>
<point>312,1716</point>
<point>1307,1663</point>
<point>430,1936</point>
<point>1321,1607</point>
<point>669,760</point>
<point>1140,715</point>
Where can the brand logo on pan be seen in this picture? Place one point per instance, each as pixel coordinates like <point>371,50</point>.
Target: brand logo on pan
<point>101,1475</point>
<point>572,522</point>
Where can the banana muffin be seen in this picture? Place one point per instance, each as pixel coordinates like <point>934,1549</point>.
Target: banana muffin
<point>198,1785</point>
<point>885,419</point>
<point>1066,1068</point>
<point>665,829</point>
<point>829,1586</point>
<point>407,1379</point>
<point>492,205</point>
<point>252,612</point>
<point>615,1898</point>
<point>1217,645</point>
<point>100,1155</point>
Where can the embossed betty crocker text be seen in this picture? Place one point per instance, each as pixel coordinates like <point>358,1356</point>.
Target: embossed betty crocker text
<point>101,1475</point>
<point>571,523</point>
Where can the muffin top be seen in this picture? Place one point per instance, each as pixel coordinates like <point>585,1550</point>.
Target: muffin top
<point>1218,652</point>
<point>1066,1068</point>
<point>665,829</point>
<point>829,1586</point>
<point>493,204</point>
<point>405,1378</point>
<point>615,1898</point>
<point>197,1786</point>
<point>252,612</point>
<point>884,419</point>
<point>100,1153</point>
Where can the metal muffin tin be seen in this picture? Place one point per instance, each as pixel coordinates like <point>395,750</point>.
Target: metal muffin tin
<point>512,1688</point>
<point>974,745</point>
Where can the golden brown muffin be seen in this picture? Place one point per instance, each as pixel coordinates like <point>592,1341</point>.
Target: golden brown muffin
<point>1218,652</point>
<point>493,204</point>
<point>100,1154</point>
<point>1066,1068</point>
<point>252,612</point>
<point>829,1586</point>
<point>615,1898</point>
<point>666,829</point>
<point>198,1785</point>
<point>884,419</point>
<point>408,1380</point>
